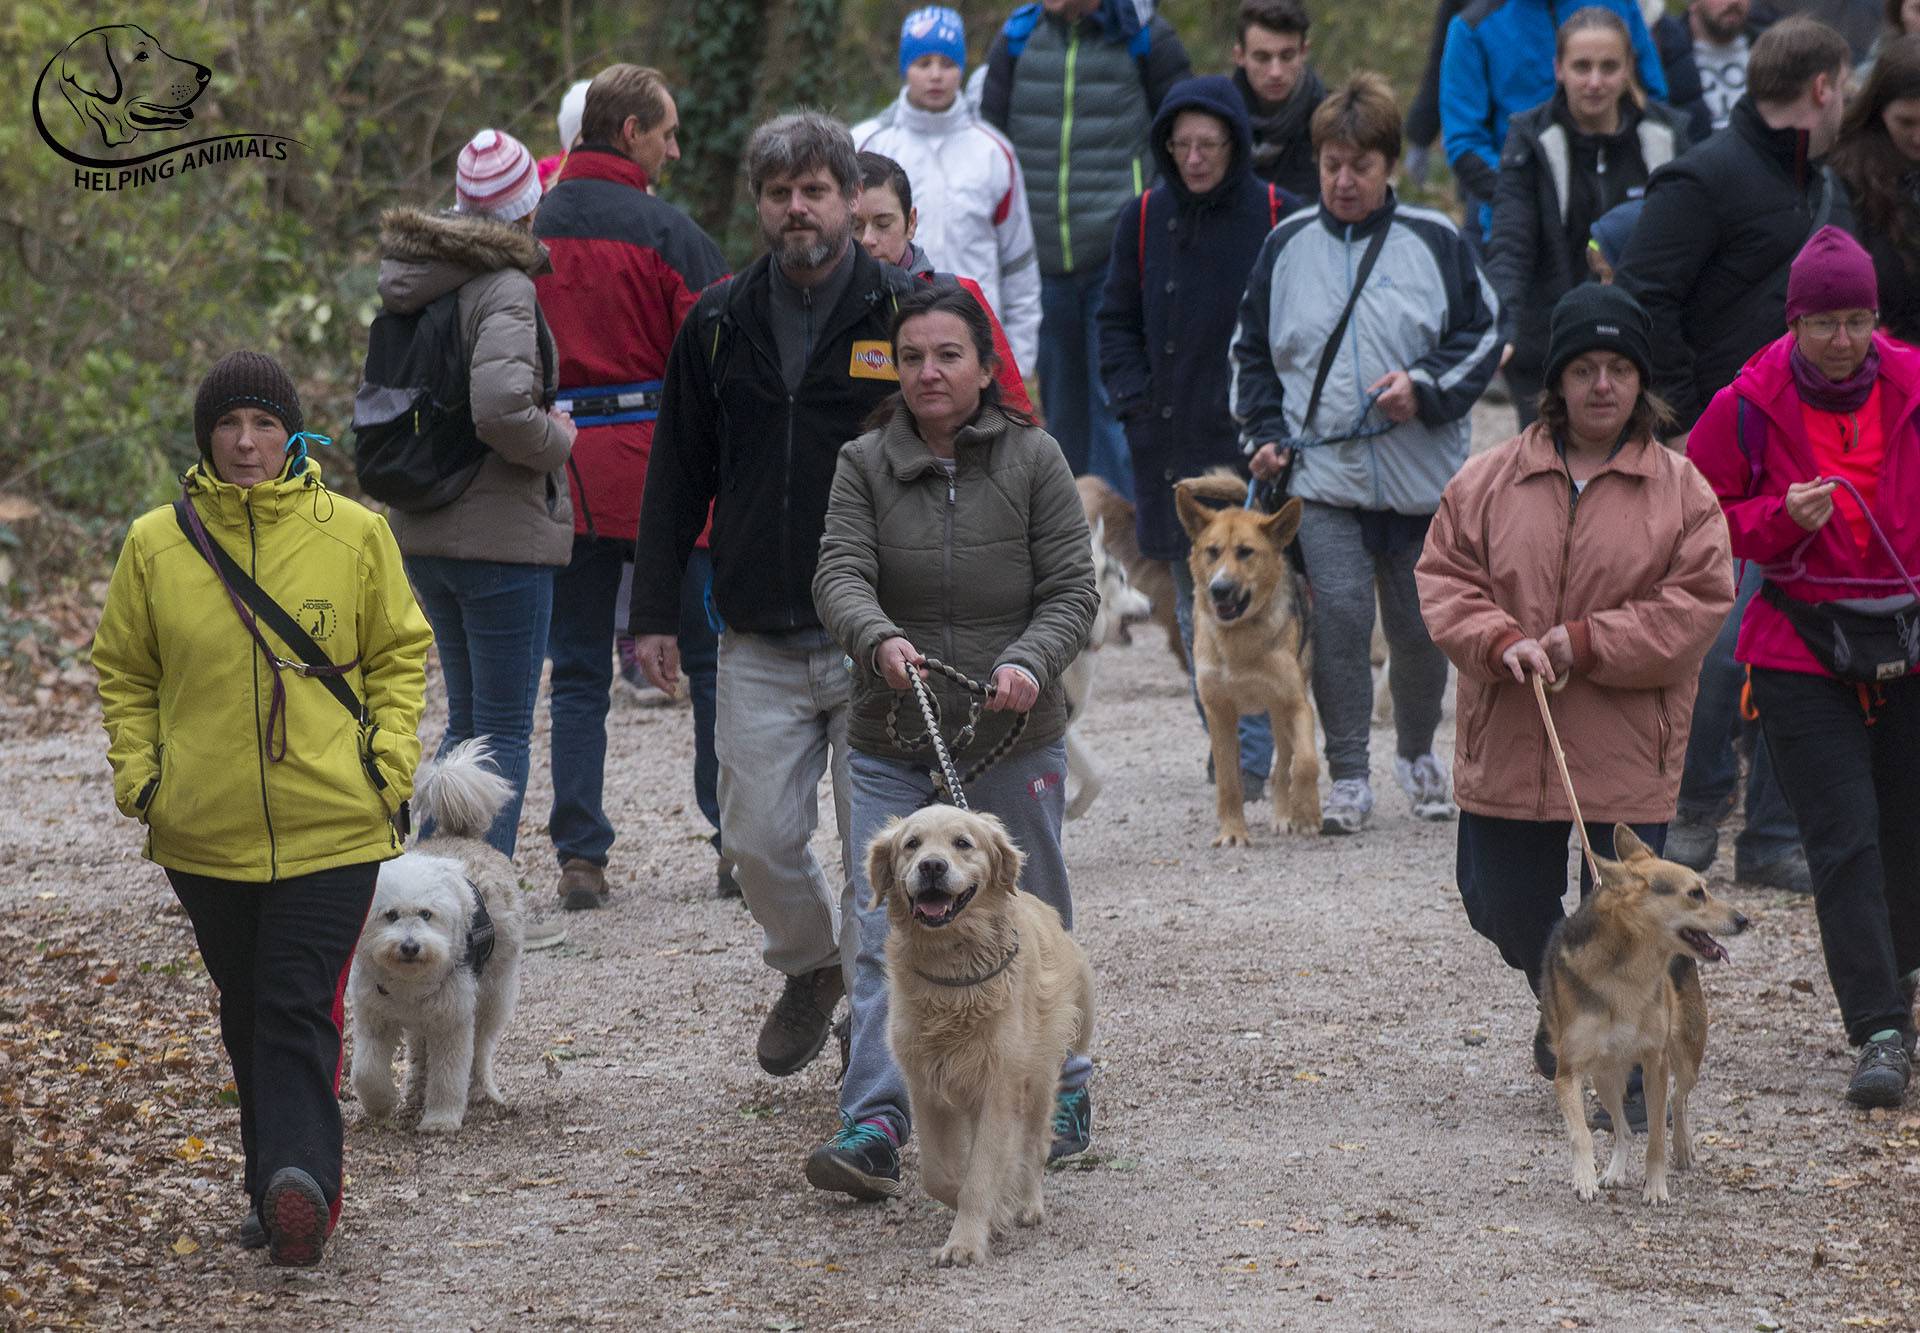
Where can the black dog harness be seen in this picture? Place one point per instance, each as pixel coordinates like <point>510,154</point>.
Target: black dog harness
<point>479,933</point>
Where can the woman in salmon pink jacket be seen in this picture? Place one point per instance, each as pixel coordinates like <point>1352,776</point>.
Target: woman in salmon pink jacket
<point>1585,551</point>
<point>1815,455</point>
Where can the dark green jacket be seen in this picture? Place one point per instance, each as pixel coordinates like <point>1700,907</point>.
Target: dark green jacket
<point>992,568</point>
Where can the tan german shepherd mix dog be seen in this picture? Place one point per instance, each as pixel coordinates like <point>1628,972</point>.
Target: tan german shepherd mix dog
<point>987,994</point>
<point>1250,647</point>
<point>1621,988</point>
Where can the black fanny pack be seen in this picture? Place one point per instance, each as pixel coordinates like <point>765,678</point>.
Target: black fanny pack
<point>1851,645</point>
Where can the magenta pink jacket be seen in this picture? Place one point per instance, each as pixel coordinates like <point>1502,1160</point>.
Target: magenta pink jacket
<point>1814,567</point>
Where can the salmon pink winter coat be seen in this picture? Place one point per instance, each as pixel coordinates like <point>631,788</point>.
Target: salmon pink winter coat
<point>1828,564</point>
<point>1636,567</point>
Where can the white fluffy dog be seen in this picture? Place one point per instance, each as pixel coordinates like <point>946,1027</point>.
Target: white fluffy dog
<point>423,969</point>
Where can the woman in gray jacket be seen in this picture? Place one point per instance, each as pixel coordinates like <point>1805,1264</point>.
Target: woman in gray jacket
<point>953,531</point>
<point>482,566</point>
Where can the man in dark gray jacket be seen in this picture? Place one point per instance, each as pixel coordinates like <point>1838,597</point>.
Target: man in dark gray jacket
<point>1075,84</point>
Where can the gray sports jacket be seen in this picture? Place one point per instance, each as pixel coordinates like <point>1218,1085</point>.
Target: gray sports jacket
<point>1426,309</point>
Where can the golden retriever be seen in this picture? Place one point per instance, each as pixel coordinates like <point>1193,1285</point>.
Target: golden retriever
<point>988,994</point>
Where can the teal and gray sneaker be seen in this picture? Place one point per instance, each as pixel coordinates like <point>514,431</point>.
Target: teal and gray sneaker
<point>1072,1125</point>
<point>861,1160</point>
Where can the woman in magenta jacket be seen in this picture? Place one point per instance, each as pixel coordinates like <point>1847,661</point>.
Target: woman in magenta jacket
<point>1814,452</point>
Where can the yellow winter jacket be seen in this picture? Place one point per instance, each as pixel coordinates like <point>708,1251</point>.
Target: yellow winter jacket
<point>186,691</point>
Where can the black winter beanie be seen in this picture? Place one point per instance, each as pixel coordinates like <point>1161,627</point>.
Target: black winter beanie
<point>1593,317</point>
<point>250,378</point>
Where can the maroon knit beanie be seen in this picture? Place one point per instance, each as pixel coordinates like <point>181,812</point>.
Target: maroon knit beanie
<point>1831,273</point>
<point>250,378</point>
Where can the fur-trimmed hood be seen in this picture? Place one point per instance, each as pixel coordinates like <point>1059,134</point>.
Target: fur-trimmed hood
<point>423,255</point>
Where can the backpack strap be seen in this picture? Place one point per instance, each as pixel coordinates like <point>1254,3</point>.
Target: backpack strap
<point>1753,456</point>
<point>1273,205</point>
<point>1140,253</point>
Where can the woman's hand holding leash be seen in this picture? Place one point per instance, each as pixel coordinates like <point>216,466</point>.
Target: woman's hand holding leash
<point>890,659</point>
<point>1396,401</point>
<point>1558,646</point>
<point>1269,461</point>
<point>1013,691</point>
<point>1810,503</point>
<point>1528,656</point>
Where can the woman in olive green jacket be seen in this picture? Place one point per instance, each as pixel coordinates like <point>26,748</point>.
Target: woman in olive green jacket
<point>269,802</point>
<point>953,531</point>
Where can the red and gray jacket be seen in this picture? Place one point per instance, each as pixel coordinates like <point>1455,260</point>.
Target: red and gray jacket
<point>627,268</point>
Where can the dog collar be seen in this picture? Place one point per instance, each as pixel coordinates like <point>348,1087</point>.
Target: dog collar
<point>961,983</point>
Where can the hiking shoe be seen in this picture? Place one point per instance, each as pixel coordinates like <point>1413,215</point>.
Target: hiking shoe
<point>1347,807</point>
<point>294,1214</point>
<point>1787,872</point>
<point>583,885</point>
<point>1425,783</point>
<point>724,884</point>
<point>1634,1103</point>
<point>1253,788</point>
<point>861,1160</point>
<point>1692,842</point>
<point>250,1235</point>
<point>543,932</point>
<point>1543,1053</point>
<point>1880,1078</point>
<point>629,654</point>
<point>1072,1125</point>
<point>797,1025</point>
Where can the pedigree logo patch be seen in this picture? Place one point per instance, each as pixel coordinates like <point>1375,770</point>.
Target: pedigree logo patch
<point>872,359</point>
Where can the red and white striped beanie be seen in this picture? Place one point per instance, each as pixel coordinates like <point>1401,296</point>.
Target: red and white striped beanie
<point>496,177</point>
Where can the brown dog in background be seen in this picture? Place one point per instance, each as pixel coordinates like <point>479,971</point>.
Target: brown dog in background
<point>1102,504</point>
<point>1251,652</point>
<point>1621,988</point>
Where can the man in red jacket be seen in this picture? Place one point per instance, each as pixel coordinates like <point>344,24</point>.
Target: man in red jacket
<point>626,269</point>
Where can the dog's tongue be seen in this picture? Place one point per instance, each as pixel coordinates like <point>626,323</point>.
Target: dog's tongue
<point>1707,946</point>
<point>932,906</point>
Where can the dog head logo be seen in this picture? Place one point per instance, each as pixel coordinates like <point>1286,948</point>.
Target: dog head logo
<point>121,83</point>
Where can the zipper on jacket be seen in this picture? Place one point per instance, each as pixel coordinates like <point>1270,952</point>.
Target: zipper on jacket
<point>259,742</point>
<point>1560,610</point>
<point>946,565</point>
<point>786,517</point>
<point>1066,143</point>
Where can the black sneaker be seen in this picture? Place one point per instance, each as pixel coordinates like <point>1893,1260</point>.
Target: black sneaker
<point>1880,1078</point>
<point>1692,842</point>
<point>295,1215</point>
<point>1634,1103</point>
<point>1543,1053</point>
<point>860,1160</point>
<point>250,1235</point>
<point>1072,1125</point>
<point>1788,872</point>
<point>796,1026</point>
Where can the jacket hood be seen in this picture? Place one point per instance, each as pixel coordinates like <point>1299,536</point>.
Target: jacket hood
<point>423,255</point>
<point>1215,95</point>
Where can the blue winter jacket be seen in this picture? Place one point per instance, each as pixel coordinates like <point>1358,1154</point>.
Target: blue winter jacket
<point>1498,63</point>
<point>1179,269</point>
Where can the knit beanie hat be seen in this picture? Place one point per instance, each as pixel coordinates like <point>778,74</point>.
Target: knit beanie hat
<point>1614,228</point>
<point>572,107</point>
<point>1831,272</point>
<point>496,177</point>
<point>933,31</point>
<point>250,379</point>
<point>1596,318</point>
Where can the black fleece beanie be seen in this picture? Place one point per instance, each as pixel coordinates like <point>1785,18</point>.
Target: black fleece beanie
<point>1592,317</point>
<point>250,378</point>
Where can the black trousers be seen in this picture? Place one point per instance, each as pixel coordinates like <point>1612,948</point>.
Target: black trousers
<point>279,953</point>
<point>1850,768</point>
<point>1512,875</point>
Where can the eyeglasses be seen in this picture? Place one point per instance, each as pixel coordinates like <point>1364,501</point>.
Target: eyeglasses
<point>1825,326</point>
<point>1181,147</point>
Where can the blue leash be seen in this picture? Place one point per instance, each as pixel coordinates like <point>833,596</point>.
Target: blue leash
<point>1257,490</point>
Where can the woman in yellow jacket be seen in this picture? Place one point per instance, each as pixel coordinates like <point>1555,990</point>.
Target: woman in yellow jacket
<point>267,801</point>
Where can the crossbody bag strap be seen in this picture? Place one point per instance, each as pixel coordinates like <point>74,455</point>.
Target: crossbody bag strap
<point>1332,350</point>
<point>316,662</point>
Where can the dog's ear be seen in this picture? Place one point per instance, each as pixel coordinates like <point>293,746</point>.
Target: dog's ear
<point>1627,845</point>
<point>880,863</point>
<point>87,64</point>
<point>1003,858</point>
<point>1194,516</point>
<point>1283,523</point>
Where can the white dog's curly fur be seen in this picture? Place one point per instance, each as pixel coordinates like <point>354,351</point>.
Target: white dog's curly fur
<point>410,974</point>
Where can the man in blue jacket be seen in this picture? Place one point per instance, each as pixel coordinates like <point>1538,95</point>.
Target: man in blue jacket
<point>1498,62</point>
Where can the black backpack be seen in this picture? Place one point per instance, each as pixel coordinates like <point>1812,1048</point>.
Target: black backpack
<point>414,445</point>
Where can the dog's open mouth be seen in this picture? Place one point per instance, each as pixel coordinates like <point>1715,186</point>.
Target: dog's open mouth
<point>937,907</point>
<point>1231,605</point>
<point>1705,945</point>
<point>150,116</point>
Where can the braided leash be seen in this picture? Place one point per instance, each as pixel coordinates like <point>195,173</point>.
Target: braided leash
<point>949,783</point>
<point>1260,493</point>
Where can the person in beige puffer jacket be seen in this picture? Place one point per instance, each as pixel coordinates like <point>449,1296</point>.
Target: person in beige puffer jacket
<point>483,565</point>
<point>953,531</point>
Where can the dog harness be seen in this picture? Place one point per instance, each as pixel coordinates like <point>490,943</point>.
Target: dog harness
<point>479,933</point>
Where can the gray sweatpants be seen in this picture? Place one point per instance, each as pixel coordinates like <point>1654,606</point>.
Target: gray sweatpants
<point>1345,578</point>
<point>1028,795</point>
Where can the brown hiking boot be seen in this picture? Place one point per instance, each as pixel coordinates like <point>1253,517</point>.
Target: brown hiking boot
<point>797,1025</point>
<point>583,885</point>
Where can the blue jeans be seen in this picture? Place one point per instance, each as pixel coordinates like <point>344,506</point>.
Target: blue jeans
<point>490,622</point>
<point>580,642</point>
<point>1028,795</point>
<point>700,659</point>
<point>1256,729</point>
<point>1712,768</point>
<point>1071,393</point>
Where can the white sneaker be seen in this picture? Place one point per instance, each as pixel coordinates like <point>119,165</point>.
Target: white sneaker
<point>1425,783</point>
<point>1347,806</point>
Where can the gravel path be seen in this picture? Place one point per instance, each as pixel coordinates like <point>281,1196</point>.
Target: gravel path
<point>1314,1103</point>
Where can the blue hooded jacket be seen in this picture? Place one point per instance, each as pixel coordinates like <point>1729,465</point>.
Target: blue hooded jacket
<point>1179,269</point>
